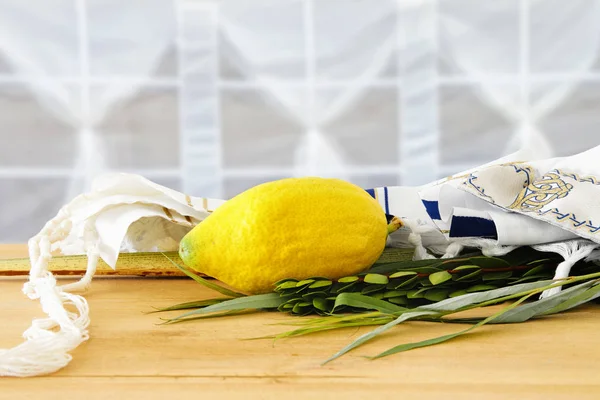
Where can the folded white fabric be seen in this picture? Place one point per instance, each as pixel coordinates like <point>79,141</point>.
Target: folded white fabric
<point>122,213</point>
<point>549,204</point>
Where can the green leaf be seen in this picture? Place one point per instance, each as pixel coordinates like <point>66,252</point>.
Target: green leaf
<point>376,279</point>
<point>533,278</point>
<point>542,306</point>
<point>320,284</point>
<point>378,295</point>
<point>452,304</point>
<point>366,302</point>
<point>539,262</point>
<point>402,273</point>
<point>302,308</point>
<point>395,293</point>
<point>206,316</point>
<point>285,280</point>
<point>444,338</point>
<point>321,304</point>
<point>285,307</point>
<point>467,267</point>
<point>326,327</point>
<point>576,300</point>
<point>290,284</point>
<point>439,277</point>
<point>304,282</point>
<point>470,299</point>
<point>427,270</point>
<point>269,300</point>
<point>424,282</point>
<point>404,265</point>
<point>480,288</point>
<point>311,295</point>
<point>457,293</point>
<point>372,289</point>
<point>416,294</point>
<point>452,263</point>
<point>204,282</point>
<point>409,283</point>
<point>494,276</point>
<point>489,262</point>
<point>400,300</point>
<point>370,335</point>
<point>348,279</point>
<point>192,304</point>
<point>535,270</point>
<point>344,287</point>
<point>468,277</point>
<point>437,294</point>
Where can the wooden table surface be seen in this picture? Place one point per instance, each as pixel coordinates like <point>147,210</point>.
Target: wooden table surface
<point>129,355</point>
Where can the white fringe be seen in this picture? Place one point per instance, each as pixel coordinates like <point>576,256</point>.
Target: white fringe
<point>453,250</point>
<point>488,247</point>
<point>49,340</point>
<point>572,251</point>
<point>415,239</point>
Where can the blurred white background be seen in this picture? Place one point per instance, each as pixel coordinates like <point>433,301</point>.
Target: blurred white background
<point>212,97</point>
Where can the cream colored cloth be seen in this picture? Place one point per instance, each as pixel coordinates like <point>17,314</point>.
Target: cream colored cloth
<point>122,213</point>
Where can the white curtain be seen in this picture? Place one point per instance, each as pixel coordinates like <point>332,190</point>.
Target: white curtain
<point>212,97</point>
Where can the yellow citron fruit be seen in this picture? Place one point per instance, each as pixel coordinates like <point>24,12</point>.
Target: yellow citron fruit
<point>290,228</point>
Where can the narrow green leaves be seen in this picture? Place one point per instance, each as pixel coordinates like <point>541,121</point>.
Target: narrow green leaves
<point>445,338</point>
<point>414,283</point>
<point>368,336</point>
<point>269,300</point>
<point>581,298</point>
<point>205,282</point>
<point>397,289</point>
<point>513,313</point>
<point>366,302</point>
<point>467,300</point>
<point>570,296</point>
<point>192,305</point>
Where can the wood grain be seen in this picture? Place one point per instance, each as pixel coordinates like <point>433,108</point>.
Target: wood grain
<point>130,355</point>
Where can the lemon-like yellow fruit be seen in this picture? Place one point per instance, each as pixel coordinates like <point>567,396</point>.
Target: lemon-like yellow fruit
<point>290,228</point>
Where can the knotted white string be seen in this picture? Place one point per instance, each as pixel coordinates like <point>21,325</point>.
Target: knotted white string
<point>49,340</point>
<point>572,251</point>
<point>129,200</point>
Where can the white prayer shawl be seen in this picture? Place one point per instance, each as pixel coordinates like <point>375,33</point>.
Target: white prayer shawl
<point>549,204</point>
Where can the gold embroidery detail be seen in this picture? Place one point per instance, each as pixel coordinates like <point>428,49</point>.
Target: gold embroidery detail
<point>540,193</point>
<point>589,179</point>
<point>188,200</point>
<point>526,169</point>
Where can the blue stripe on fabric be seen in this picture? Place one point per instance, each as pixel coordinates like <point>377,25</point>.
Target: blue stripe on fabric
<point>371,192</point>
<point>473,227</point>
<point>385,194</point>
<point>432,209</point>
